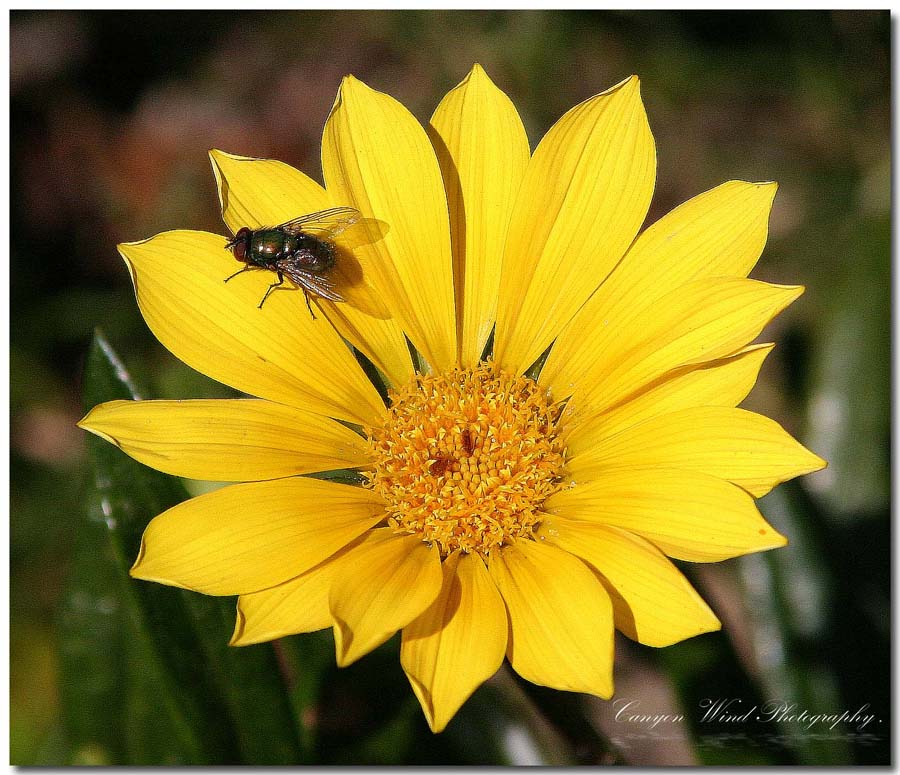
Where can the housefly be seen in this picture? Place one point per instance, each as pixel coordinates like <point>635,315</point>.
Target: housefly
<point>305,251</point>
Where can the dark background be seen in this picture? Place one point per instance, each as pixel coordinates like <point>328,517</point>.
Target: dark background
<point>112,114</point>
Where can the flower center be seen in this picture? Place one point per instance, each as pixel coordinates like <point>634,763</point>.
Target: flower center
<point>467,458</point>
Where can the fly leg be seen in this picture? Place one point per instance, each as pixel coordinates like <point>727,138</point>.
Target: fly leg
<point>272,287</point>
<point>239,271</point>
<point>308,305</point>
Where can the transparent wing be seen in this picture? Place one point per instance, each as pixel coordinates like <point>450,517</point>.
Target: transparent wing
<point>329,223</point>
<point>345,282</point>
<point>348,280</point>
<point>344,222</point>
<point>351,277</point>
<point>319,285</point>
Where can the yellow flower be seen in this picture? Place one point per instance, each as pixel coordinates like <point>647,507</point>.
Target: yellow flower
<point>503,514</point>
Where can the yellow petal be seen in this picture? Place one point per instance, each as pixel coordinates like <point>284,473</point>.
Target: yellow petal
<point>689,515</point>
<point>701,321</point>
<point>247,537</point>
<point>483,152</point>
<point>278,352</point>
<point>723,382</point>
<point>458,642</point>
<point>720,233</point>
<point>265,192</point>
<point>561,618</point>
<point>734,444</point>
<point>377,158</point>
<point>227,440</point>
<point>653,602</point>
<point>298,605</point>
<point>389,584</point>
<point>584,196</point>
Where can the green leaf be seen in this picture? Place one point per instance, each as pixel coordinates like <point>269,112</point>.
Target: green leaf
<point>504,723</point>
<point>706,668</point>
<point>498,725</point>
<point>308,659</point>
<point>849,406</point>
<point>342,476</point>
<point>575,736</point>
<point>156,659</point>
<point>251,682</point>
<point>787,594</point>
<point>91,626</point>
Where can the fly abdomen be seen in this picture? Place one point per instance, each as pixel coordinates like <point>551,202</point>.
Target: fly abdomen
<point>313,254</point>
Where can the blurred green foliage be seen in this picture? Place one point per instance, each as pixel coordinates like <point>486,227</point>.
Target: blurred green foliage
<point>112,114</point>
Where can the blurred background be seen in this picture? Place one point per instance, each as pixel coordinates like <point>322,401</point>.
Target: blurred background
<point>112,115</point>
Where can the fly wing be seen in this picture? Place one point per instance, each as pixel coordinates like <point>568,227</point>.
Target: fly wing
<point>344,222</point>
<point>318,285</point>
<point>351,277</point>
<point>365,231</point>
<point>328,223</point>
<point>348,280</point>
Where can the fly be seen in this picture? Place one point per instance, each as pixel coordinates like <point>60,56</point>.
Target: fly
<point>303,250</point>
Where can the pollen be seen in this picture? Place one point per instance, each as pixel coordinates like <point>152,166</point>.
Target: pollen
<point>466,458</point>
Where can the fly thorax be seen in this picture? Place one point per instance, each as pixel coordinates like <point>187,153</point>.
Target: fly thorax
<point>267,244</point>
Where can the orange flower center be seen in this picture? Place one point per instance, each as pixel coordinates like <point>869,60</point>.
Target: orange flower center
<point>467,458</point>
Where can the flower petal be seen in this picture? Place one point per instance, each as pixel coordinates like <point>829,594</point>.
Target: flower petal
<point>298,605</point>
<point>265,192</point>
<point>653,602</point>
<point>390,584</point>
<point>278,352</point>
<point>458,642</point>
<point>720,233</point>
<point>701,321</point>
<point>377,158</point>
<point>483,152</point>
<point>584,196</point>
<point>723,382</point>
<point>745,448</point>
<point>227,440</point>
<point>561,619</point>
<point>247,537</point>
<point>689,515</point>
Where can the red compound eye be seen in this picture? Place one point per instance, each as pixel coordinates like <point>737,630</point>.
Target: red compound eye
<point>241,244</point>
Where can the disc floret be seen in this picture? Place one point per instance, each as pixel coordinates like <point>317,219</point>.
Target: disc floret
<point>467,458</point>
